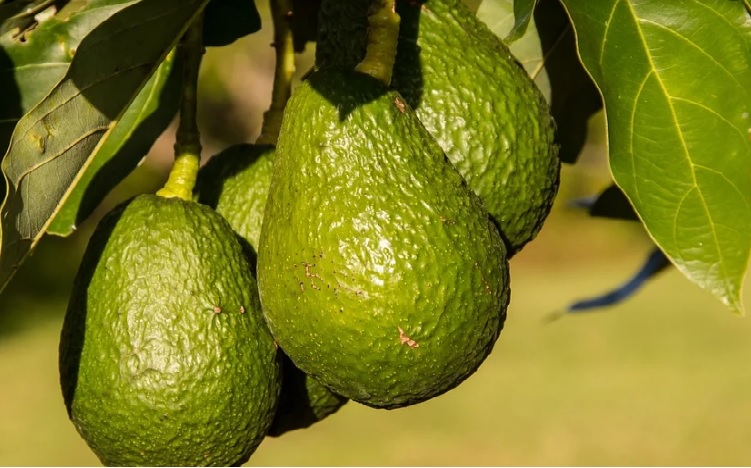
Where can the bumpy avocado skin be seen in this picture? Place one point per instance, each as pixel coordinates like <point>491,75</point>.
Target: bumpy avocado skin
<point>379,271</point>
<point>236,183</point>
<point>474,98</point>
<point>165,358</point>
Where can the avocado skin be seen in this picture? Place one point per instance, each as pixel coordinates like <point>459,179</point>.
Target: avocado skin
<point>236,183</point>
<point>303,401</point>
<point>379,271</point>
<point>164,355</point>
<point>480,105</point>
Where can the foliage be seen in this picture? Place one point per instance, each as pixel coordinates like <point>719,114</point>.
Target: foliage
<point>86,88</point>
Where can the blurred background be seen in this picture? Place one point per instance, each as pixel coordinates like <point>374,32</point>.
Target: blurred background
<point>662,379</point>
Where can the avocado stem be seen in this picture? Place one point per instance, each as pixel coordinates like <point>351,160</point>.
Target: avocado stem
<point>182,176</point>
<point>383,36</point>
<point>281,12</point>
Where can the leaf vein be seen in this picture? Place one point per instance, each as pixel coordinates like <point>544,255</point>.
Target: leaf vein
<point>34,167</point>
<point>697,47</point>
<point>686,152</point>
<point>73,96</point>
<point>607,30</point>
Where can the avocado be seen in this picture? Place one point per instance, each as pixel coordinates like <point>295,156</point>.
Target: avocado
<point>303,401</point>
<point>236,183</point>
<point>481,106</point>
<point>164,355</point>
<point>379,271</point>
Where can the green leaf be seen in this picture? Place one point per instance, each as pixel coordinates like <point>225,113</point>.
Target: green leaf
<point>32,64</point>
<point>304,22</point>
<point>473,5</point>
<point>498,15</point>
<point>52,144</point>
<point>523,10</point>
<point>226,21</point>
<point>676,82</point>
<point>124,147</point>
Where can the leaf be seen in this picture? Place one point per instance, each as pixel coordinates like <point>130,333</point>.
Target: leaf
<point>655,263</point>
<point>473,5</point>
<point>32,64</point>
<point>547,50</point>
<point>7,11</point>
<point>52,144</point>
<point>304,22</point>
<point>675,82</point>
<point>226,21</point>
<point>612,203</point>
<point>522,15</point>
<point>124,147</point>
<point>498,15</point>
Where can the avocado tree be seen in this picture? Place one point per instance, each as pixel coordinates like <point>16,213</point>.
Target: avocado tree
<point>673,80</point>
<point>86,86</point>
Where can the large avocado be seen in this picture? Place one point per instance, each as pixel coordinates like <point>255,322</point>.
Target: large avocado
<point>480,105</point>
<point>164,355</point>
<point>236,183</point>
<point>379,271</point>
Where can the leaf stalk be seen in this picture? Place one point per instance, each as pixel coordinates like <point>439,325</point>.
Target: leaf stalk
<point>182,176</point>
<point>281,12</point>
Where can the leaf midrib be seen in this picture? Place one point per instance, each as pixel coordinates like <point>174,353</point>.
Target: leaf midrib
<point>684,146</point>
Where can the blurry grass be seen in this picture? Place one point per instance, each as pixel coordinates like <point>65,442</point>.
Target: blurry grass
<point>661,380</point>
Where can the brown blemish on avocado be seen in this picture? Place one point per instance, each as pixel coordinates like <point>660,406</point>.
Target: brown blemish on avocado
<point>404,339</point>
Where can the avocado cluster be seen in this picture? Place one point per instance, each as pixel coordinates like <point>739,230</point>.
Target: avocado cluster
<point>363,257</point>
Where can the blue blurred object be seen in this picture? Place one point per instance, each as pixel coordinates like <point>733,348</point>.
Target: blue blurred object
<point>612,203</point>
<point>655,263</point>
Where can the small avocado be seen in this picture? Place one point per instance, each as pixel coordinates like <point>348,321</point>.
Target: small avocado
<point>379,271</point>
<point>165,358</point>
<point>480,105</point>
<point>236,183</point>
<point>303,401</point>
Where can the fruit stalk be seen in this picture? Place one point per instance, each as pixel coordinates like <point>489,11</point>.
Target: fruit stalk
<point>284,69</point>
<point>383,35</point>
<point>182,177</point>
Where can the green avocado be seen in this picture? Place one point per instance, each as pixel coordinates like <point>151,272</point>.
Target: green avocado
<point>303,401</point>
<point>165,358</point>
<point>379,271</point>
<point>236,183</point>
<point>480,105</point>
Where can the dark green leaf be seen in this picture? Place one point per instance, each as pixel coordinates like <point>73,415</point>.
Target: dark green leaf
<point>304,22</point>
<point>522,16</point>
<point>613,203</point>
<point>52,144</point>
<point>473,5</point>
<point>32,64</point>
<point>226,21</point>
<point>7,11</point>
<point>124,147</point>
<point>675,80</point>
